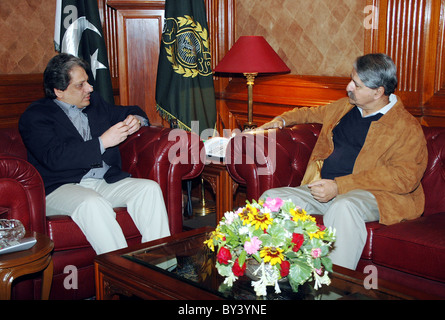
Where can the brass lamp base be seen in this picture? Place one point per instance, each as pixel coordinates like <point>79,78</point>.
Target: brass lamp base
<point>250,125</point>
<point>250,77</point>
<point>204,208</point>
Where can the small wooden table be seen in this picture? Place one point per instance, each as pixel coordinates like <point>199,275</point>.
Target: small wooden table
<point>223,186</point>
<point>35,259</point>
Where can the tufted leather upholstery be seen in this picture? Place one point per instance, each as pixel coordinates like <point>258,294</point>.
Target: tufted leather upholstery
<point>411,253</point>
<point>144,155</point>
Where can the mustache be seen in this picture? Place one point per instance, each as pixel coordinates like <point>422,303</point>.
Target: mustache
<point>351,95</point>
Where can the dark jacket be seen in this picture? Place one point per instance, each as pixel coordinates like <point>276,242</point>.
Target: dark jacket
<point>58,151</point>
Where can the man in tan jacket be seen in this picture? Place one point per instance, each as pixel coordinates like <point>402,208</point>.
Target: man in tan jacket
<point>368,161</point>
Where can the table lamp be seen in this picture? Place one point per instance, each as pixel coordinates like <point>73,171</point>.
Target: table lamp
<point>251,55</point>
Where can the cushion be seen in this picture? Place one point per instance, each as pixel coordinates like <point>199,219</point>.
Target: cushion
<point>370,227</point>
<point>416,246</point>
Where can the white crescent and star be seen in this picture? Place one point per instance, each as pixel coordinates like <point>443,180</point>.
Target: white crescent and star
<point>71,41</point>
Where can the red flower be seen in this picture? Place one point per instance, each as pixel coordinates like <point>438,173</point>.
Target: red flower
<point>297,240</point>
<point>224,255</point>
<point>237,270</point>
<point>284,268</point>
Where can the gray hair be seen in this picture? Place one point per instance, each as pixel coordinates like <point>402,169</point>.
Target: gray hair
<point>377,70</point>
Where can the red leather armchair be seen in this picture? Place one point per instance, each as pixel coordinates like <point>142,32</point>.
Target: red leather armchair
<point>411,253</point>
<point>145,155</point>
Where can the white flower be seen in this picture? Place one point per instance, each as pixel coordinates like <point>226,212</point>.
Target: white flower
<point>269,277</point>
<point>243,230</point>
<point>230,216</point>
<point>230,279</point>
<point>321,280</point>
<point>259,287</point>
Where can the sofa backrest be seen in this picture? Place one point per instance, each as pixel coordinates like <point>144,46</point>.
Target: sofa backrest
<point>11,143</point>
<point>434,178</point>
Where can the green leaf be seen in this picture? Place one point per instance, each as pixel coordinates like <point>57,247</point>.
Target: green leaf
<point>266,239</point>
<point>242,258</point>
<point>317,263</point>
<point>277,231</point>
<point>299,272</point>
<point>224,270</point>
<point>327,263</point>
<point>257,257</point>
<point>289,225</point>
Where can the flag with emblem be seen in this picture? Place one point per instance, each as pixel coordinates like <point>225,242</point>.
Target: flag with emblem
<point>184,86</point>
<point>78,31</point>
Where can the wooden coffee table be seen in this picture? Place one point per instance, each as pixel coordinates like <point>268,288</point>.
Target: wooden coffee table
<point>181,267</point>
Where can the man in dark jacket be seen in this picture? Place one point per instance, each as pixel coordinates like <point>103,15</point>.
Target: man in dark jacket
<point>72,138</point>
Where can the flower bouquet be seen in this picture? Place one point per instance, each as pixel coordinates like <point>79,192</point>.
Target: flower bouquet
<point>273,239</point>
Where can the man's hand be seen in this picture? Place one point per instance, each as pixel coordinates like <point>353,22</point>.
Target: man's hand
<point>133,124</point>
<point>120,131</point>
<point>275,123</point>
<point>115,135</point>
<point>324,190</point>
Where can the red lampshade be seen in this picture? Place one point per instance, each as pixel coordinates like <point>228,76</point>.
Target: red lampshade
<point>251,54</point>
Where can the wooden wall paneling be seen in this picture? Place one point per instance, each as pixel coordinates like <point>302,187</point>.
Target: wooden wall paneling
<point>221,23</point>
<point>434,90</point>
<point>138,37</point>
<point>273,95</point>
<point>401,35</point>
<point>17,92</point>
<point>412,33</point>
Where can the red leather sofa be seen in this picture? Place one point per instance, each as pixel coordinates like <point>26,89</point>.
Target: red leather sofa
<point>411,253</point>
<point>144,155</point>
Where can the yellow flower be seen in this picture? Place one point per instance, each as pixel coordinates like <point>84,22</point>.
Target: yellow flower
<point>214,236</point>
<point>300,214</point>
<point>319,234</point>
<point>259,219</point>
<point>244,214</point>
<point>272,254</point>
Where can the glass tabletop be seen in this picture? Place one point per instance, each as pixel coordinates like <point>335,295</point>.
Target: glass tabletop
<point>189,260</point>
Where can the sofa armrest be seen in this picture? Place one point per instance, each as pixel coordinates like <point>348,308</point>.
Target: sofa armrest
<point>22,192</point>
<point>166,156</point>
<point>274,158</point>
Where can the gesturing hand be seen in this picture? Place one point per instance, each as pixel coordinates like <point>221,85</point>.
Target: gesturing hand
<point>133,124</point>
<point>115,135</point>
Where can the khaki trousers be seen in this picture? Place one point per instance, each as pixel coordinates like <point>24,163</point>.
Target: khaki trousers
<point>90,204</point>
<point>347,213</point>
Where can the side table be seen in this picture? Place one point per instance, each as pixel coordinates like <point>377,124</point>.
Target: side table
<point>35,259</point>
<point>223,186</point>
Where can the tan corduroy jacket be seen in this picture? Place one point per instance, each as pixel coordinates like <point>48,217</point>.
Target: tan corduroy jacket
<point>390,165</point>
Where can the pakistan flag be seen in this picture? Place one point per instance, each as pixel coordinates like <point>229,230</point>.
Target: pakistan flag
<point>78,31</point>
<point>184,86</point>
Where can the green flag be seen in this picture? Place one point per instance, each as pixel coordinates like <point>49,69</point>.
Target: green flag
<point>78,31</point>
<point>184,86</point>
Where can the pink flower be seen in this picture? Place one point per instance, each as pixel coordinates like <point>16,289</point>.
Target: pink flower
<point>319,271</point>
<point>316,252</point>
<point>273,204</point>
<point>253,246</point>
